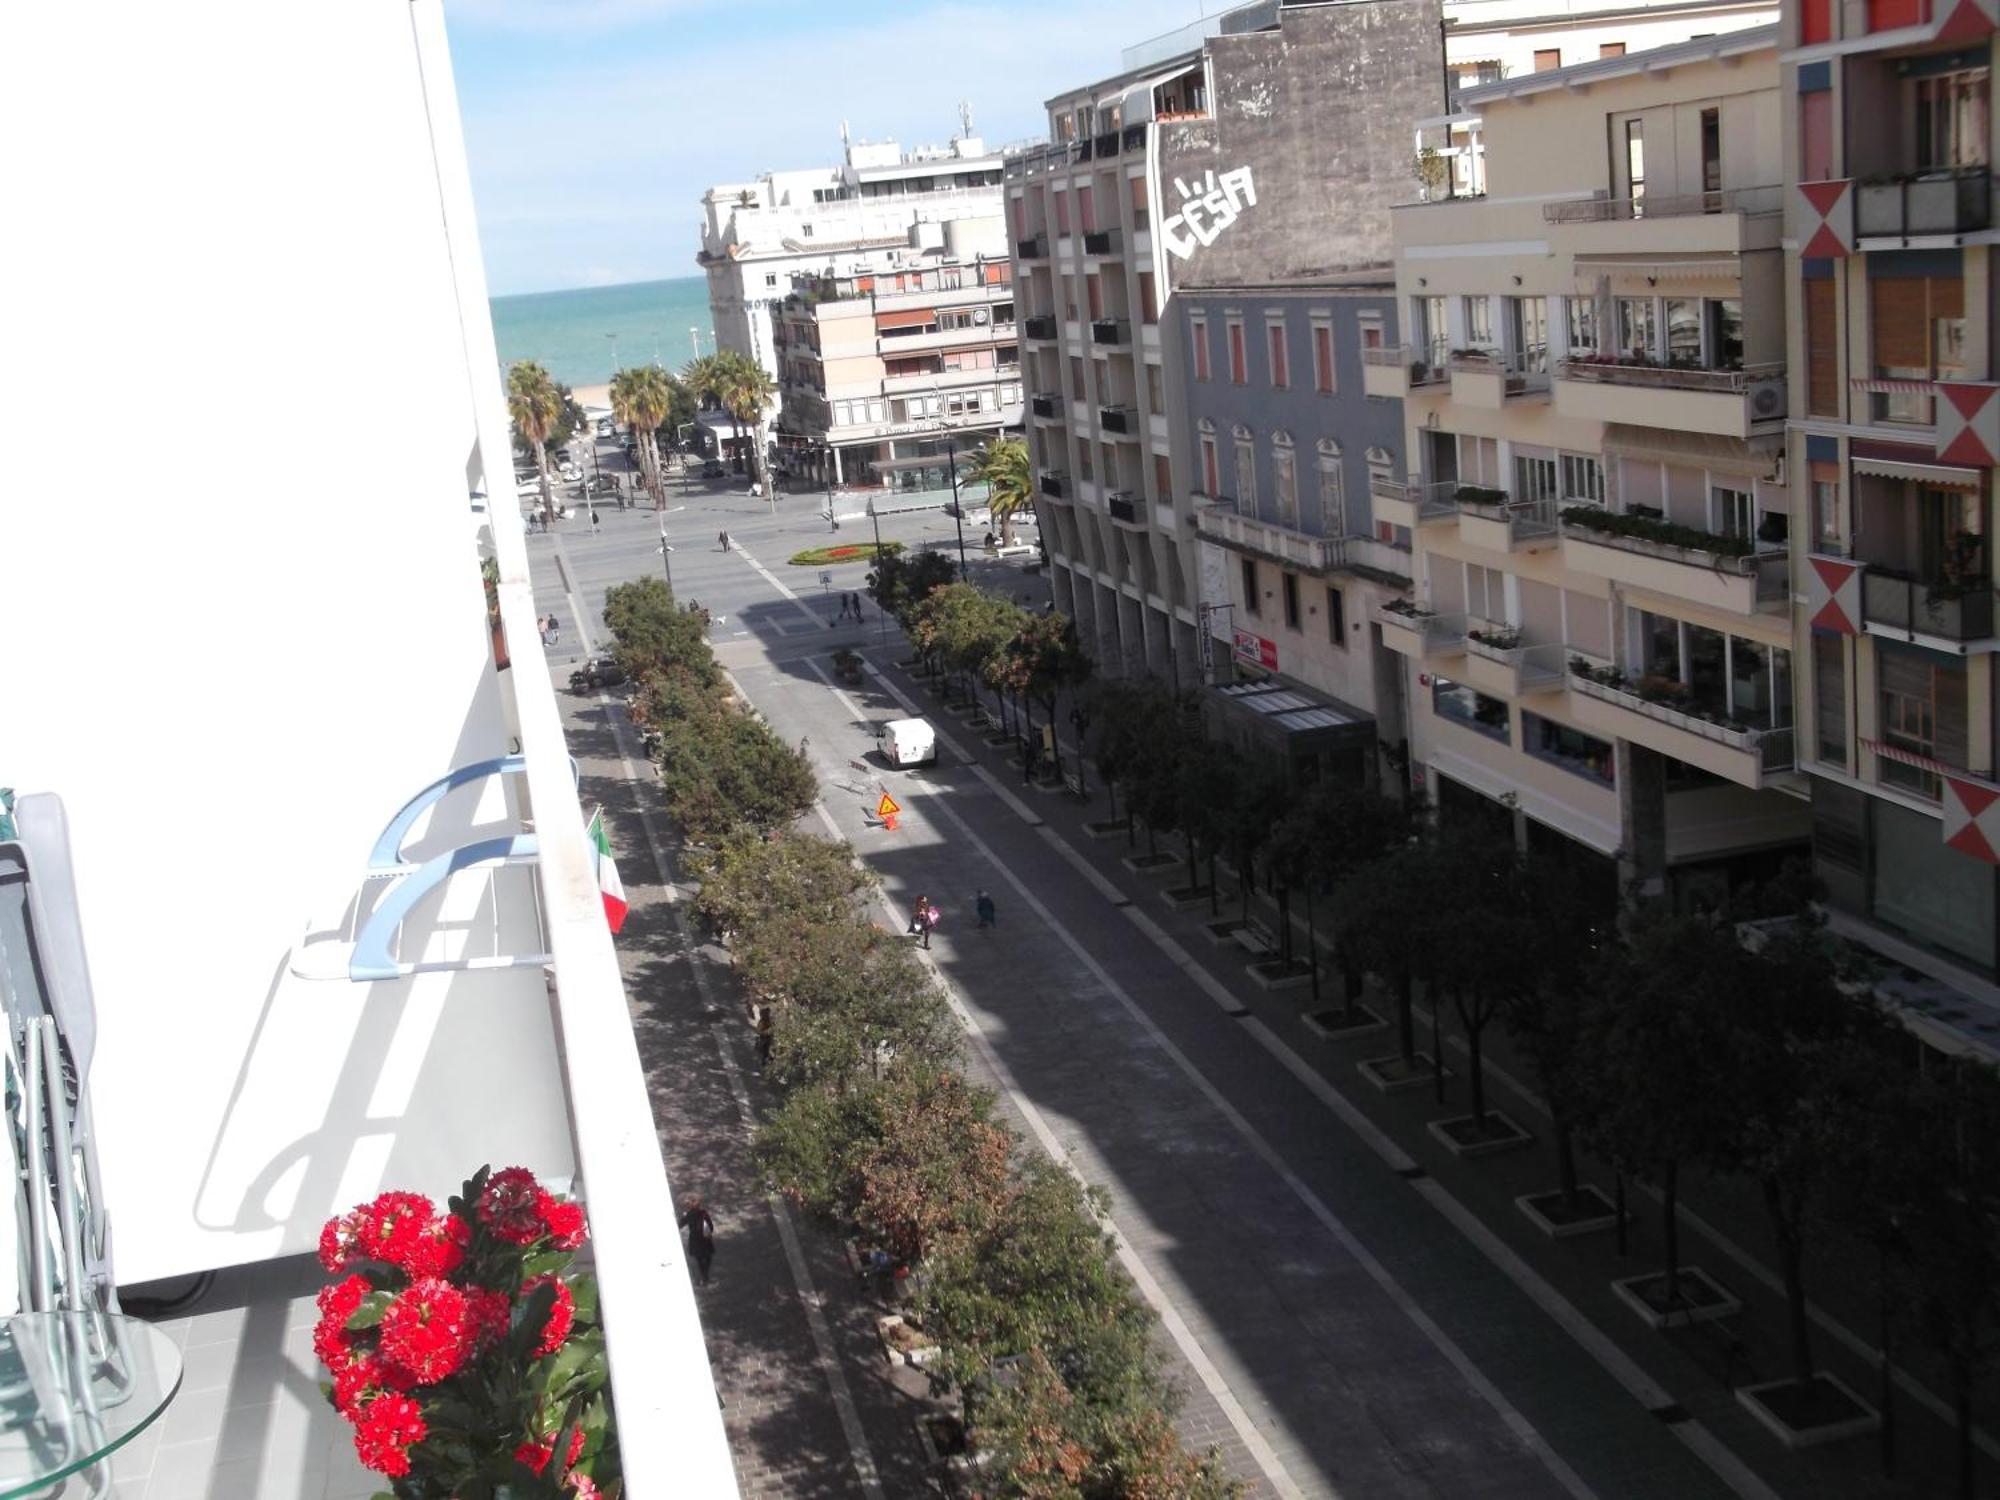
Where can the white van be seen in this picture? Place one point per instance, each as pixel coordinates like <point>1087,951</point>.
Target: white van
<point>909,742</point>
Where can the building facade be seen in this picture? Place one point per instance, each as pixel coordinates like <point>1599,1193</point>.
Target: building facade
<point>1283,439</point>
<point>1594,401</point>
<point>1891,290</point>
<point>878,374</point>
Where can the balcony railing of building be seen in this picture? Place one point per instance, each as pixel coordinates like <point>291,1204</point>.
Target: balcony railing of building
<point>1054,485</point>
<point>1216,519</point>
<point>1898,601</point>
<point>1103,242</point>
<point>1123,506</point>
<point>1534,666</point>
<point>1034,247</point>
<point>1525,371</point>
<point>1748,200</point>
<point>1605,369</point>
<point>1913,203</point>
<point>1106,143</point>
<point>1439,632</point>
<point>1774,748</point>
<point>1133,138</point>
<point>1433,500</point>
<point>1046,404</point>
<point>1040,326</point>
<point>1118,419</point>
<point>1655,536</point>
<point>1526,520</point>
<point>1421,371</point>
<point>1112,331</point>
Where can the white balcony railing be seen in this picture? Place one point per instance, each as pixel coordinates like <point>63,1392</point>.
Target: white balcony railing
<point>1750,200</point>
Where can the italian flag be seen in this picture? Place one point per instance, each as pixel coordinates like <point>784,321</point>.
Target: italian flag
<point>608,882</point>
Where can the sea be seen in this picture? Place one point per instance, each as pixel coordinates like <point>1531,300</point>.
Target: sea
<point>575,334</point>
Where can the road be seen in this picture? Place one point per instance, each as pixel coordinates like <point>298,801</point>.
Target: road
<point>1342,1325</point>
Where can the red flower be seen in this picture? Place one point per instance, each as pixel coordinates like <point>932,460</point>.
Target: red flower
<point>487,1315</point>
<point>362,1381</point>
<point>338,1243</point>
<point>438,1248</point>
<point>562,1219</point>
<point>508,1206</point>
<point>556,1331</point>
<point>425,1331</point>
<point>585,1487</point>
<point>337,1302</point>
<point>387,1430</point>
<point>536,1455</point>
<point>389,1227</point>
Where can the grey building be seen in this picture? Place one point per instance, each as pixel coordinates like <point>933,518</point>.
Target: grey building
<point>1280,444</point>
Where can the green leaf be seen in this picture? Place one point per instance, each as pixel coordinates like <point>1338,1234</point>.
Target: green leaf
<point>370,1312</point>
<point>544,1263</point>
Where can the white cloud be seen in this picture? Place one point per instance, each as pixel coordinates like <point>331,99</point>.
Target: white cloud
<point>602,159</point>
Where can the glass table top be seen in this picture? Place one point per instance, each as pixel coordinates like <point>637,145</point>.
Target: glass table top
<point>74,1387</point>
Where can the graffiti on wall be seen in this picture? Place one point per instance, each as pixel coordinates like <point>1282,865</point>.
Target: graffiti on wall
<point>1207,208</point>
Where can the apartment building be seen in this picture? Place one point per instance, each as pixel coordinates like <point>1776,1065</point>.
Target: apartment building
<point>1259,147</point>
<point>879,206</point>
<point>1285,442</point>
<point>1893,445</point>
<point>880,374</point>
<point>314,916</point>
<point>1594,403</point>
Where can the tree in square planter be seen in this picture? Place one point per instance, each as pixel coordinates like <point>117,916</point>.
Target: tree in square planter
<point>462,1347</point>
<point>1391,915</point>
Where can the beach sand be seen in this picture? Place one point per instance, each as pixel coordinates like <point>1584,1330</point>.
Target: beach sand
<point>593,395</point>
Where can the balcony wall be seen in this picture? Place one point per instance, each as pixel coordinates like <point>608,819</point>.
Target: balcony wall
<point>1738,585</point>
<point>1924,203</point>
<point>1724,403</point>
<point>1748,757</point>
<point>1907,608</point>
<point>1726,223</point>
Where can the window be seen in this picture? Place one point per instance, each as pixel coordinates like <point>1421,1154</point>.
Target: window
<point>1582,316</point>
<point>1062,212</point>
<point>1332,499</point>
<point>1925,889</point>
<point>1163,479</point>
<point>1684,332</point>
<point>1285,473</point>
<point>1238,362</point>
<point>1478,322</point>
<point>1433,330</point>
<point>1582,479</point>
<point>1281,364</point>
<point>1830,696</point>
<point>1140,216</point>
<point>1246,479</point>
<point>1548,59</point>
<point>1149,306</point>
<point>1250,601</point>
<point>1951,120</point>
<point>1528,332</point>
<point>1290,582</point>
<point>1635,162</point>
<point>1336,620</point>
<point>1211,470</point>
<point>1825,478</point>
<point>1075,378</point>
<point>1909,722</point>
<point>1610,49</point>
<point>1638,326</point>
<point>1573,750</point>
<point>1822,346</point>
<point>1323,356</point>
<point>1723,331</point>
<point>1534,478</point>
<point>1093,286</point>
<point>1919,330</point>
<point>1454,700</point>
<point>1198,336</point>
<point>1086,209</point>
<point>770,278</point>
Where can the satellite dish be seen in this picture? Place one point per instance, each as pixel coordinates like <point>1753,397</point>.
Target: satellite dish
<point>979,316</point>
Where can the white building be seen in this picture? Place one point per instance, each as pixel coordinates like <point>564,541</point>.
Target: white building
<point>248,666</point>
<point>848,220</point>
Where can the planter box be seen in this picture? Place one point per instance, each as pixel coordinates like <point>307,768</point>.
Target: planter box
<point>1279,973</point>
<point>1593,1212</point>
<point>999,741</point>
<point>916,1355</point>
<point>1151,864</point>
<point>942,1436</point>
<point>1222,931</point>
<point>1105,828</point>
<point>1183,897</point>
<point>1332,1025</point>
<point>1703,1298</point>
<point>1389,1075</point>
<point>1835,1411</point>
<point>1463,1137</point>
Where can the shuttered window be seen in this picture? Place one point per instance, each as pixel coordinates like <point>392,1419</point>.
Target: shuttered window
<point>1830,696</point>
<point>1903,312</point>
<point>1823,349</point>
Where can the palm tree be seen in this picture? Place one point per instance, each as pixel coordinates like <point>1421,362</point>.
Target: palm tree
<point>641,398</point>
<point>740,386</point>
<point>1002,465</point>
<point>536,404</point>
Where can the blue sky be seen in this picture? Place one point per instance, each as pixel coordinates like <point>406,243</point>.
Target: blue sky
<point>594,125</point>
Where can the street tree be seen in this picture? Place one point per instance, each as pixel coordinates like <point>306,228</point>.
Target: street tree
<point>641,398</point>
<point>1389,915</point>
<point>1002,465</point>
<point>1044,659</point>
<point>796,879</point>
<point>732,381</point>
<point>655,637</point>
<point>1128,717</point>
<point>850,1002</point>
<point>535,404</point>
<point>898,583</point>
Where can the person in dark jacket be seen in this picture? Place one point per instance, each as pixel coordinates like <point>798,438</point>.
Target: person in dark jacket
<point>700,1227</point>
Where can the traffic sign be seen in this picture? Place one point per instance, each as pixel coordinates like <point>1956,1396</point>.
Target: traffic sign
<point>887,807</point>
<point>825,578</point>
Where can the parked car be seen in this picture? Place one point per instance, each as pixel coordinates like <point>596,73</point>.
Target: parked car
<point>604,484</point>
<point>599,671</point>
<point>715,469</point>
<point>606,427</point>
<point>569,468</point>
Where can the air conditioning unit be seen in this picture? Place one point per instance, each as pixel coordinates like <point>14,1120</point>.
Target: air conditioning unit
<point>979,315</point>
<point>1767,400</point>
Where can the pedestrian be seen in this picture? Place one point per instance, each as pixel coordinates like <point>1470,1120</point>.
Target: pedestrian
<point>983,904</point>
<point>595,519</point>
<point>923,905</point>
<point>723,537</point>
<point>542,628</point>
<point>700,1227</point>
<point>929,920</point>
<point>555,628</point>
<point>767,1029</point>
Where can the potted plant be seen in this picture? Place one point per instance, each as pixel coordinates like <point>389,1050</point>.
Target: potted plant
<point>847,666</point>
<point>463,1349</point>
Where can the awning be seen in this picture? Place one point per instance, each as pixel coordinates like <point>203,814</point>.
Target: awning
<point>1661,267</point>
<point>1755,459</point>
<point>1292,718</point>
<point>1143,91</point>
<point>1937,475</point>
<point>911,317</point>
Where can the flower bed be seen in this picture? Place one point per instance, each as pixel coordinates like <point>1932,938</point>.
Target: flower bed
<point>852,552</point>
<point>1652,529</point>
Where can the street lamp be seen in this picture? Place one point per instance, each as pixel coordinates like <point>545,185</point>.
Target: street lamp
<point>957,510</point>
<point>694,337</point>
<point>826,461</point>
<point>666,555</point>
<point>614,352</point>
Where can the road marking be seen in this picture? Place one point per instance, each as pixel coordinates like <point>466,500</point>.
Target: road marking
<point>809,1296</point>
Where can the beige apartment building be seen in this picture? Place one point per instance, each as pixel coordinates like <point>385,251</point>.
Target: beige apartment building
<point>1592,378</point>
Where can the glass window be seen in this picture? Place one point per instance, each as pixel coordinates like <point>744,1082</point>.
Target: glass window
<point>1582,479</point>
<point>1433,330</point>
<point>1725,333</point>
<point>1582,314</point>
<point>1830,696</point>
<point>1238,364</point>
<point>1660,646</point>
<point>1569,748</point>
<point>1332,506</point>
<point>1246,480</point>
<point>1281,364</point>
<point>1211,469</point>
<point>1250,586</point>
<point>1951,120</point>
<point>1479,322</point>
<point>1336,620</point>
<point>1198,336</point>
<point>1734,512</point>
<point>1684,332</point>
<point>1285,473</point>
<point>1707,657</point>
<point>1473,709</point>
<point>1156,390</point>
<point>1291,592</point>
<point>1323,357</point>
<point>1637,327</point>
<point>1534,478</point>
<point>1528,319</point>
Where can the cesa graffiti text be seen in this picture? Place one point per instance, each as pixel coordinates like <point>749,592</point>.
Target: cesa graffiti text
<point>1208,208</point>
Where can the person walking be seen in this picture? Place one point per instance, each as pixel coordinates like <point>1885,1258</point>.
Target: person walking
<point>555,629</point>
<point>917,911</point>
<point>767,1031</point>
<point>927,921</point>
<point>723,537</point>
<point>983,905</point>
<point>700,1227</point>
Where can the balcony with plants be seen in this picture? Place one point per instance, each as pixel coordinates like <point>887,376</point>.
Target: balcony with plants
<point>1682,394</point>
<point>1502,662</point>
<point>1412,502</point>
<point>1641,549</point>
<point>1665,714</point>
<point>1393,372</point>
<point>1411,630</point>
<point>1493,520</point>
<point>1491,378</point>
<point>1948,605</point>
